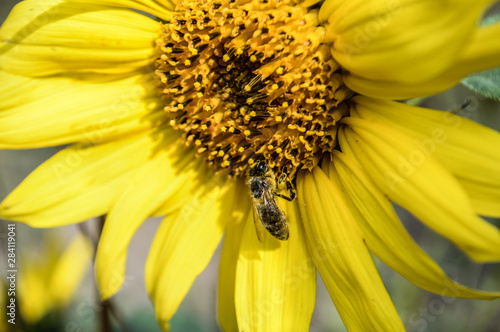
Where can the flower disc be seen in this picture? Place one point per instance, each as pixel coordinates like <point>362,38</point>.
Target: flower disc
<point>246,79</point>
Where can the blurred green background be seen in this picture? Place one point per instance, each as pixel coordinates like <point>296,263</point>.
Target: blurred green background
<point>132,311</point>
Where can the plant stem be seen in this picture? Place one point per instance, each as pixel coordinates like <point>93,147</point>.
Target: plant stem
<point>104,317</point>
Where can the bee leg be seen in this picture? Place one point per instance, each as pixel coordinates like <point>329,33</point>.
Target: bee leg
<point>291,192</point>
<point>282,177</point>
<point>290,189</point>
<point>284,197</point>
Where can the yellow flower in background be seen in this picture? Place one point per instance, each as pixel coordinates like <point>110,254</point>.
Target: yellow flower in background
<point>303,89</point>
<point>50,277</point>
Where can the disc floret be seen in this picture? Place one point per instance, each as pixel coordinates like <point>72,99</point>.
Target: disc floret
<point>245,78</point>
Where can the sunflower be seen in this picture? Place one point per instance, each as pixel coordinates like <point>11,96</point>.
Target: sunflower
<point>50,275</point>
<point>179,115</point>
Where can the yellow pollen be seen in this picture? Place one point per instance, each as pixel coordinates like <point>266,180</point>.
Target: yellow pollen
<point>251,80</point>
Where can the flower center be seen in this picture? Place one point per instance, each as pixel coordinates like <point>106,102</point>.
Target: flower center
<point>249,79</point>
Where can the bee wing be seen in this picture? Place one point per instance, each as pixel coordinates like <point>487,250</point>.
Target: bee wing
<point>279,226</point>
<point>257,220</point>
<point>270,203</point>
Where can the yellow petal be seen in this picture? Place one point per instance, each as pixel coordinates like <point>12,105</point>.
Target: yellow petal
<point>395,90</point>
<point>420,184</point>
<point>469,150</point>
<point>484,198</point>
<point>49,276</point>
<point>165,178</point>
<point>158,8</point>
<point>70,270</point>
<point>40,39</point>
<point>384,234</point>
<point>226,311</point>
<point>39,112</point>
<point>79,182</point>
<point>395,49</point>
<point>399,41</point>
<point>275,280</point>
<point>184,244</point>
<point>478,54</point>
<point>34,299</point>
<point>338,251</point>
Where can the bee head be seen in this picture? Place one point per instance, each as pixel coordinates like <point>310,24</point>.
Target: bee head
<point>258,168</point>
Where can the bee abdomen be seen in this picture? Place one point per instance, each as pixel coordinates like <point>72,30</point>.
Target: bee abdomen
<point>276,224</point>
<point>281,232</point>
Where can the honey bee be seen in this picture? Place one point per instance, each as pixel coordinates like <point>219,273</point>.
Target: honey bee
<point>262,185</point>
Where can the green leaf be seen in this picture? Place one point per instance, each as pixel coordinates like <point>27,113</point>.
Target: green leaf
<point>486,83</point>
<point>490,20</point>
